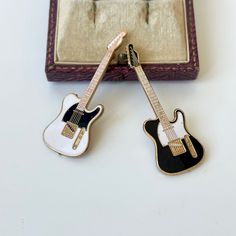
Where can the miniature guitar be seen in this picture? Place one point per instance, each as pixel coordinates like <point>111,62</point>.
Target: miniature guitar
<point>68,134</point>
<point>176,149</point>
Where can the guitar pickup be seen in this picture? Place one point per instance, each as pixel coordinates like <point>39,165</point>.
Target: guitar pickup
<point>78,139</point>
<point>190,146</point>
<point>69,130</point>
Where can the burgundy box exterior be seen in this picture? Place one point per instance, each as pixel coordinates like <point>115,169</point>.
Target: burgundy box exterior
<point>180,71</point>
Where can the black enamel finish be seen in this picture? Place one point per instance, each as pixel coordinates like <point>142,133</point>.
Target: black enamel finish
<point>166,161</point>
<point>85,118</point>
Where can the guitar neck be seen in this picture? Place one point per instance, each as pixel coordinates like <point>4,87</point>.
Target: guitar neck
<point>99,74</point>
<point>155,103</point>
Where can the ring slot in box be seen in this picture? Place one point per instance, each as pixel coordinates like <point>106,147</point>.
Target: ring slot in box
<point>163,31</point>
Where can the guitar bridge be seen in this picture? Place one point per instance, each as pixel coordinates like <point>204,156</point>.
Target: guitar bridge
<point>69,130</point>
<point>177,147</point>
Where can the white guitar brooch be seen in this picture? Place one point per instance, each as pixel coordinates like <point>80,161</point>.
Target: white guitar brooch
<point>68,134</point>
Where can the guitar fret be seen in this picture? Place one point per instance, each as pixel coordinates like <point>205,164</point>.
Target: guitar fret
<point>95,81</point>
<point>153,99</point>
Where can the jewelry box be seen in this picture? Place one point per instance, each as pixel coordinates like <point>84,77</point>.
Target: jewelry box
<point>163,31</point>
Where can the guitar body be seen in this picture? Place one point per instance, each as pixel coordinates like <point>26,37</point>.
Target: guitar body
<point>78,144</point>
<point>167,162</point>
<point>176,150</point>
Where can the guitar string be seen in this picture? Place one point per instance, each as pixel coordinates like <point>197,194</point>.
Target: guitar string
<point>170,133</point>
<point>72,117</point>
<point>96,79</point>
<point>90,90</point>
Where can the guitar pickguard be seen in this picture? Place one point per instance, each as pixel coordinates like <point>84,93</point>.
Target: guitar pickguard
<point>178,127</point>
<point>84,120</point>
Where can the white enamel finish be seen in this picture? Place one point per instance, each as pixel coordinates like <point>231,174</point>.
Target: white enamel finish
<point>178,128</point>
<point>56,141</point>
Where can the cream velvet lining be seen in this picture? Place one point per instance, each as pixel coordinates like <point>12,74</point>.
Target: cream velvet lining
<point>86,27</point>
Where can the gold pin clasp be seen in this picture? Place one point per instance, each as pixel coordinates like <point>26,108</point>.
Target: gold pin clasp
<point>122,59</point>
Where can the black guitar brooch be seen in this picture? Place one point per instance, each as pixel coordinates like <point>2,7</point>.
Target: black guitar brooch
<point>177,150</point>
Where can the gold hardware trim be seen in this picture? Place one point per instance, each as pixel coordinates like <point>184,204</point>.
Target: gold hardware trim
<point>78,139</point>
<point>177,147</point>
<point>69,130</point>
<point>190,146</point>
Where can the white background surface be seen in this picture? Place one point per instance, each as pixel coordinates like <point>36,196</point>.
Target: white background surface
<point>115,189</point>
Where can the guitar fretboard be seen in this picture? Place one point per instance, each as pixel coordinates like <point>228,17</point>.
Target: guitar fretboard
<point>155,103</point>
<point>95,81</point>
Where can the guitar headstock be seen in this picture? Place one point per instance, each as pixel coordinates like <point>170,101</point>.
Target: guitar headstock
<point>133,57</point>
<point>116,42</point>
